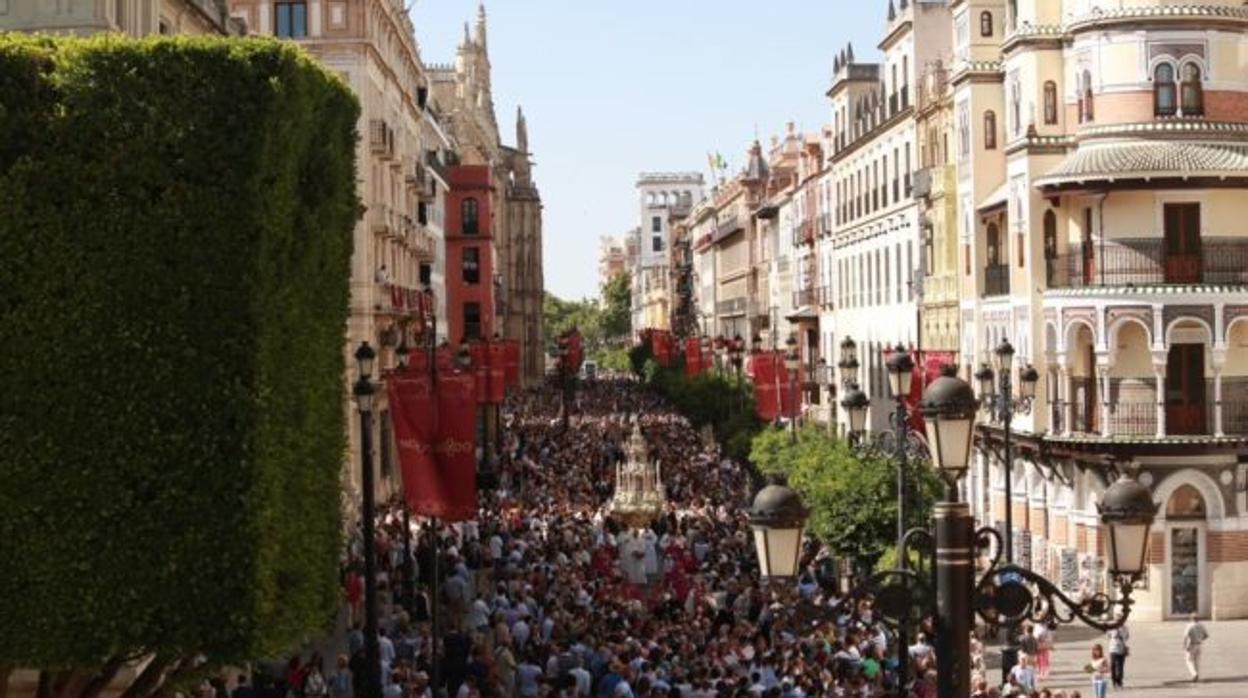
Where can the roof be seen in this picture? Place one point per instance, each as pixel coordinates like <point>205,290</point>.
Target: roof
<point>1149,160</point>
<point>997,198</point>
<point>806,312</point>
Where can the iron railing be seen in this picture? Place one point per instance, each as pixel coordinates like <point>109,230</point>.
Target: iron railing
<point>1144,261</point>
<point>997,280</point>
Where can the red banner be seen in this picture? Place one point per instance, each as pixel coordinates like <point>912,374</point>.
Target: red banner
<point>480,370</point>
<point>495,360</point>
<point>789,389</point>
<point>511,362</point>
<point>453,496</point>
<point>661,342</point>
<point>413,414</point>
<point>766,393</point>
<point>693,356</point>
<point>445,359</point>
<point>576,352</point>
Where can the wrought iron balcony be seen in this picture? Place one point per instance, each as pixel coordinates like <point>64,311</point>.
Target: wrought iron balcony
<point>1145,261</point>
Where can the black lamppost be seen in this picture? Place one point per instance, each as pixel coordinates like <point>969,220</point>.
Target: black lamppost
<point>363,391</point>
<point>402,355</point>
<point>999,402</point>
<point>1006,593</point>
<point>827,383</point>
<point>791,362</point>
<point>562,353</point>
<point>736,355</point>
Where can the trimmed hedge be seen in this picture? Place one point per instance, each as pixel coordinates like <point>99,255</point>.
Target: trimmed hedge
<point>175,240</point>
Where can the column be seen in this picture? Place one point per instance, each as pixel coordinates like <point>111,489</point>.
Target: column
<point>1063,391</point>
<point>1102,376</point>
<point>1159,393</point>
<point>1217,399</point>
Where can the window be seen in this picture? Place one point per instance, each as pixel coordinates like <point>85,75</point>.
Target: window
<point>964,132</point>
<point>472,321</point>
<point>1193,93</point>
<point>1050,235</point>
<point>469,212</point>
<point>1086,98</point>
<point>990,130</point>
<point>656,243</point>
<point>1165,101</point>
<point>292,19</point>
<point>1012,14</point>
<point>1050,102</point>
<point>656,224</point>
<point>1016,112</point>
<point>426,274</point>
<point>985,24</point>
<point>994,245</point>
<point>472,265</point>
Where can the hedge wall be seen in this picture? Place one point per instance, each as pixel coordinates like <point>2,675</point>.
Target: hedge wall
<point>175,242</point>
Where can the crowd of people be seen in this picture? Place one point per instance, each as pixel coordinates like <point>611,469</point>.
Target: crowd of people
<point>535,599</point>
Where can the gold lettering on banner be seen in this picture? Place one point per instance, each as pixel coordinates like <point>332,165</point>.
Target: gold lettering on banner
<point>414,445</point>
<point>453,447</point>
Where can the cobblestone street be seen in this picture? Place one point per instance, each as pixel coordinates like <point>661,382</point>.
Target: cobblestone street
<point>1155,666</point>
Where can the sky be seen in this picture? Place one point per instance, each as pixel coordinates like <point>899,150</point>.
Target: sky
<point>612,88</point>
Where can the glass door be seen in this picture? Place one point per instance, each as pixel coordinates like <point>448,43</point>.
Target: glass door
<point>1184,570</point>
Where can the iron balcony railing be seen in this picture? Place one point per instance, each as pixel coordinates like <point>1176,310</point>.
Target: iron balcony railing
<point>1145,261</point>
<point>803,296</point>
<point>997,280</point>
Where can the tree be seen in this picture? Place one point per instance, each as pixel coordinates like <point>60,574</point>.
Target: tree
<point>174,262</point>
<point>617,306</point>
<point>851,494</point>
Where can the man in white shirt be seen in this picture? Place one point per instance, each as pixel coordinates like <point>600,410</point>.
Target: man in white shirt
<point>1194,635</point>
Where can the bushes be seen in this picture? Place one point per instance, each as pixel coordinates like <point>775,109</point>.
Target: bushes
<point>852,495</point>
<point>174,257</point>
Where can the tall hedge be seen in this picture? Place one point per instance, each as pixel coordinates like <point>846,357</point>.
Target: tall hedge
<point>175,237</point>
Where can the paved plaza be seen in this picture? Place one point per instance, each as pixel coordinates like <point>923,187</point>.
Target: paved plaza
<point>1155,666</point>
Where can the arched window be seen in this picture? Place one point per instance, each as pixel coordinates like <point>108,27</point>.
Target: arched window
<point>1165,102</point>
<point>1050,235</point>
<point>985,23</point>
<point>1050,102</point>
<point>990,130</point>
<point>994,245</point>
<point>1088,112</point>
<point>1193,93</point>
<point>468,211</point>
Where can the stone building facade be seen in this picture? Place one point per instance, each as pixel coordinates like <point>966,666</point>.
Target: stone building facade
<point>132,17</point>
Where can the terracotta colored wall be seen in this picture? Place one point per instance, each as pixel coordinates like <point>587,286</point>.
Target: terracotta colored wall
<point>1135,107</point>
<point>1228,546</point>
<point>469,181</point>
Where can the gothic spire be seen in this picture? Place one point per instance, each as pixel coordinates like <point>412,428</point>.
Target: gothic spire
<point>481,25</point>
<point>522,131</point>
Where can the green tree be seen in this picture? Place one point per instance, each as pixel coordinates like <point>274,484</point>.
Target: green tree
<point>174,262</point>
<point>559,316</point>
<point>617,307</point>
<point>851,494</point>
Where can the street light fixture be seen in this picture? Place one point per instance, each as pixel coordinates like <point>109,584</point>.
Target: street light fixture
<point>363,392</point>
<point>778,519</point>
<point>1005,594</point>
<point>900,372</point>
<point>856,404</point>
<point>792,361</point>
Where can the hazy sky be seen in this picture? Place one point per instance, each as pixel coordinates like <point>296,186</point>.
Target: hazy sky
<point>615,87</point>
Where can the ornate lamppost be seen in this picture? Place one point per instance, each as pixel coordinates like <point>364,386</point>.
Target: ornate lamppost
<point>363,391</point>
<point>791,363</point>
<point>1000,404</point>
<point>1006,593</point>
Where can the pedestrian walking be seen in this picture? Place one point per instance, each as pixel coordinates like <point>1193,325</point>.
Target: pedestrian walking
<point>1194,636</point>
<point>1118,651</point>
<point>1099,669</point>
<point>1044,648</point>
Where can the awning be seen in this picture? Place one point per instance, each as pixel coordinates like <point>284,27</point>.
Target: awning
<point>1146,160</point>
<point>996,198</point>
<point>806,312</point>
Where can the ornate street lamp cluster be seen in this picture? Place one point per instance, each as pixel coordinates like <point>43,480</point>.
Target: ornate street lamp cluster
<point>561,352</point>
<point>1006,593</point>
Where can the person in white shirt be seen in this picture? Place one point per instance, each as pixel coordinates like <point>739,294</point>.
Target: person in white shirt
<point>1194,635</point>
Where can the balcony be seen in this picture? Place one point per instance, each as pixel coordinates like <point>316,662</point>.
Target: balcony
<point>395,299</point>
<point>1133,411</point>
<point>940,288</point>
<point>997,280</point>
<point>732,306</point>
<point>824,295</point>
<point>727,226</point>
<point>1145,262</point>
<point>803,296</point>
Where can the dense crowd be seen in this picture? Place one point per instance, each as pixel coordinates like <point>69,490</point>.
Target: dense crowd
<point>537,598</point>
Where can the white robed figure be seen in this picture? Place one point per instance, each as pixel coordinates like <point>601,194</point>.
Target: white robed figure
<point>632,556</point>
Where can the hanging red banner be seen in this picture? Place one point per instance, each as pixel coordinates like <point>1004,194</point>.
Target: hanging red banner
<point>788,388</point>
<point>445,359</point>
<point>453,496</point>
<point>480,370</point>
<point>511,362</point>
<point>413,415</point>
<point>495,360</point>
<point>766,395</point>
<point>575,350</point>
<point>693,356</point>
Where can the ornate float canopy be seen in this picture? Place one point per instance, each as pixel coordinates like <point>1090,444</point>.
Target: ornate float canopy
<point>639,497</point>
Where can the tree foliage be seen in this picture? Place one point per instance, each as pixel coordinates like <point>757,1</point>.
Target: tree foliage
<point>617,301</point>
<point>174,256</point>
<point>852,494</point>
<point>560,316</point>
<point>711,397</point>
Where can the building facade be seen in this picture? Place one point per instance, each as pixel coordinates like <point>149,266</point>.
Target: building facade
<point>132,17</point>
<point>612,260</point>
<point>662,197</point>
<point>1105,161</point>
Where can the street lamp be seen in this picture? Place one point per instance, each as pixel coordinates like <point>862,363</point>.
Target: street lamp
<point>1005,594</point>
<point>827,382</point>
<point>1001,406</point>
<point>778,519</point>
<point>363,391</point>
<point>856,403</point>
<point>791,362</point>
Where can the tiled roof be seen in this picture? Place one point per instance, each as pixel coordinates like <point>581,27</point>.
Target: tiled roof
<point>1149,159</point>
<point>1162,11</point>
<point>1146,289</point>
